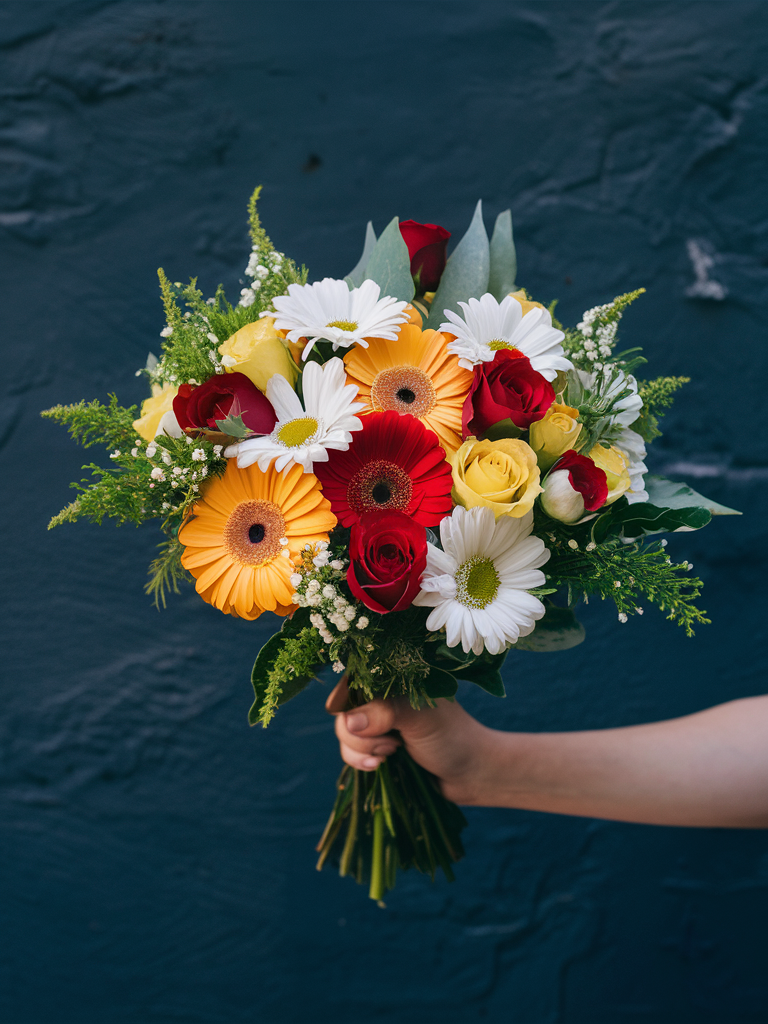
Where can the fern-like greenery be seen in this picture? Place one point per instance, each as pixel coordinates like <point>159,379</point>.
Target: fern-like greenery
<point>166,571</point>
<point>658,395</point>
<point>92,423</point>
<point>627,573</point>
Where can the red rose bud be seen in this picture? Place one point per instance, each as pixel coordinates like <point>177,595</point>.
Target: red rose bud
<point>427,250</point>
<point>223,395</point>
<point>388,554</point>
<point>574,486</point>
<point>508,388</point>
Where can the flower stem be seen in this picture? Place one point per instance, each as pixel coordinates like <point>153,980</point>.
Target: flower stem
<point>377,887</point>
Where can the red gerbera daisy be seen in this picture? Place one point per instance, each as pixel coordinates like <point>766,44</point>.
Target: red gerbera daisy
<point>393,462</point>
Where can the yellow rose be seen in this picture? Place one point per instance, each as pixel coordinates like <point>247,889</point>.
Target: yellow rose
<point>501,475</point>
<point>554,434</point>
<point>615,465</point>
<point>522,297</point>
<point>153,409</point>
<point>258,351</point>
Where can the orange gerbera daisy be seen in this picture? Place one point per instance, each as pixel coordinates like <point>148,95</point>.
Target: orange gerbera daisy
<point>415,374</point>
<point>246,532</point>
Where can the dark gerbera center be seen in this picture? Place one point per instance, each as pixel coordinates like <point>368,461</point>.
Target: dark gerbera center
<point>253,532</point>
<point>379,485</point>
<point>404,389</point>
<point>256,533</point>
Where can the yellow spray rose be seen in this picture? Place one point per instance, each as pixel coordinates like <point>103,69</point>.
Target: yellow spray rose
<point>153,409</point>
<point>501,475</point>
<point>258,351</point>
<point>615,465</point>
<point>554,434</point>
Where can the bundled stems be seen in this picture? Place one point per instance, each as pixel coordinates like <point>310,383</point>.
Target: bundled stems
<point>395,817</point>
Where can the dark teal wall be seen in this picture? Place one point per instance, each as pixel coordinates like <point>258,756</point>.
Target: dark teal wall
<point>157,854</point>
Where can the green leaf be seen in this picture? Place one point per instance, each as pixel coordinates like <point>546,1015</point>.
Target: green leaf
<point>454,655</point>
<point>484,671</point>
<point>669,494</point>
<point>503,271</point>
<point>265,660</point>
<point>234,426</point>
<point>559,630</point>
<point>440,683</point>
<point>466,272</point>
<point>356,277</point>
<point>389,264</point>
<point>640,518</point>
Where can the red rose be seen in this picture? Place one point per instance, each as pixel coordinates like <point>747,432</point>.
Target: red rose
<point>585,477</point>
<point>573,486</point>
<point>225,394</point>
<point>427,248</point>
<point>506,389</point>
<point>388,553</point>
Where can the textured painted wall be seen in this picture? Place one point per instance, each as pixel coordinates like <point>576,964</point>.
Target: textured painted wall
<point>157,854</point>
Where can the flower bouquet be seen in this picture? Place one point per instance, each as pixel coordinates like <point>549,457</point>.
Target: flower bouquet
<point>418,467</point>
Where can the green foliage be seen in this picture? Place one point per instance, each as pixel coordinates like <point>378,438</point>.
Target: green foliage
<point>190,352</point>
<point>466,273</point>
<point>625,574</point>
<point>356,276</point>
<point>283,271</point>
<point>92,423</point>
<point>593,342</point>
<point>166,571</point>
<point>659,394</point>
<point>284,666</point>
<point>503,258</point>
<point>126,491</point>
<point>191,349</point>
<point>558,630</point>
<point>389,264</point>
<point>622,519</point>
<point>673,494</point>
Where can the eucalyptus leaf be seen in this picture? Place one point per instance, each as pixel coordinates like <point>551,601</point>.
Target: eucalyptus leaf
<point>501,280</point>
<point>356,277</point>
<point>389,264</point>
<point>670,494</point>
<point>558,630</point>
<point>466,272</point>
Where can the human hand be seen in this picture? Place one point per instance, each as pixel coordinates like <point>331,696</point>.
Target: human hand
<point>444,739</point>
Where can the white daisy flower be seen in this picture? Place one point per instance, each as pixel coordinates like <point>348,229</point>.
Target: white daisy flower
<point>304,435</point>
<point>488,325</point>
<point>633,446</point>
<point>614,381</point>
<point>329,310</point>
<point>477,585</point>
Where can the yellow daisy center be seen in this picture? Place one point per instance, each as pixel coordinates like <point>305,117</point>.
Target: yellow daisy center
<point>253,532</point>
<point>343,325</point>
<point>477,582</point>
<point>404,389</point>
<point>498,343</point>
<point>296,432</point>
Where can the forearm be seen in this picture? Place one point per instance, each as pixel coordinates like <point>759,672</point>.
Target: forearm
<point>707,769</point>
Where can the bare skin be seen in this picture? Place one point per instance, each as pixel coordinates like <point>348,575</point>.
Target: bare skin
<point>709,769</point>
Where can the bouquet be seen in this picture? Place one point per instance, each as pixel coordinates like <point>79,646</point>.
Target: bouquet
<point>417,467</point>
